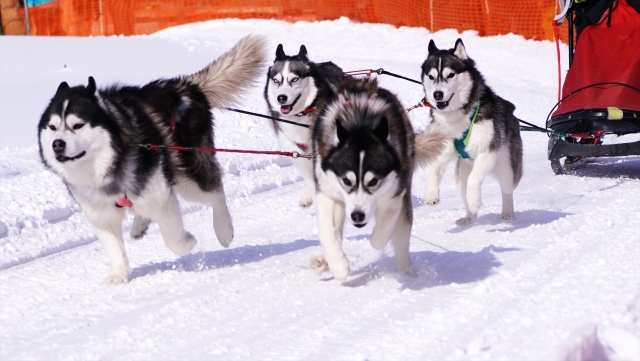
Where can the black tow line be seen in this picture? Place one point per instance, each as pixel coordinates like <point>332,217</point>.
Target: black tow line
<point>268,117</point>
<point>380,71</point>
<point>535,128</point>
<point>423,102</point>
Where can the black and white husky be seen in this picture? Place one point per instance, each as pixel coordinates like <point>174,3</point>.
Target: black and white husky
<point>484,134</point>
<point>365,157</point>
<point>88,136</point>
<point>295,88</point>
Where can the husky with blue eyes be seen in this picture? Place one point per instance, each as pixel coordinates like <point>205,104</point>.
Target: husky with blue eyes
<point>296,87</point>
<point>90,137</point>
<point>366,153</point>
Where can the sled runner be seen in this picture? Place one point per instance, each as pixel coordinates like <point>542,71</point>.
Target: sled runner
<point>601,93</point>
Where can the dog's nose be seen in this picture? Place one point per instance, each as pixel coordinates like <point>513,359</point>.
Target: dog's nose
<point>438,95</point>
<point>357,216</point>
<point>282,99</point>
<point>59,145</point>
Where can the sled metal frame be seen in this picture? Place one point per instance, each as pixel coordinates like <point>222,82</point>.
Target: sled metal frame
<point>590,121</point>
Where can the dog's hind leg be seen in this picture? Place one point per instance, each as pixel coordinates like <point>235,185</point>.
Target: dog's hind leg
<point>222,224</point>
<point>463,169</point>
<point>160,204</point>
<point>330,223</point>
<point>505,175</point>
<point>169,218</point>
<point>139,227</point>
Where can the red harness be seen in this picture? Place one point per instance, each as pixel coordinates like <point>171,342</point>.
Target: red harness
<point>307,111</point>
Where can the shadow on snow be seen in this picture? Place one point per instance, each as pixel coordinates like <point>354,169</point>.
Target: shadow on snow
<point>200,261</point>
<point>434,268</point>
<point>523,219</point>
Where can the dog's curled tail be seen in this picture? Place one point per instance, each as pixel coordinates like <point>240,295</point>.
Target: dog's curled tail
<point>429,144</point>
<point>228,77</point>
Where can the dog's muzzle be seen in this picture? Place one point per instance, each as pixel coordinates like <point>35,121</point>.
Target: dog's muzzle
<point>286,109</point>
<point>444,104</point>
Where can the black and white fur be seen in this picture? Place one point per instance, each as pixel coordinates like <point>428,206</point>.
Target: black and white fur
<point>294,84</point>
<point>365,151</point>
<point>88,137</point>
<point>453,85</point>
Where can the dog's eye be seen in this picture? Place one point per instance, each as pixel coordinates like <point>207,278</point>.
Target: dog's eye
<point>294,80</point>
<point>52,127</point>
<point>347,182</point>
<point>373,183</point>
<point>276,81</point>
<point>451,75</point>
<point>78,126</point>
<point>431,77</point>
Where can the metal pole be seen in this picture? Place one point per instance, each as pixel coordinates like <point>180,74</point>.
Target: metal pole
<point>431,14</point>
<point>26,14</point>
<point>101,20</point>
<point>571,47</point>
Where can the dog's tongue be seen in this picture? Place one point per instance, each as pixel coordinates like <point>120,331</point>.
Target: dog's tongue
<point>285,109</point>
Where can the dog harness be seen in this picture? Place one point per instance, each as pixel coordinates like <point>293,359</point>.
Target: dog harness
<point>307,111</point>
<point>461,143</point>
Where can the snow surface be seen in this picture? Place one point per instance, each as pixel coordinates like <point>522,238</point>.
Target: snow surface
<point>562,281</point>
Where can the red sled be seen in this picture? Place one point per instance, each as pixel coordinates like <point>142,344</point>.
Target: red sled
<point>601,93</point>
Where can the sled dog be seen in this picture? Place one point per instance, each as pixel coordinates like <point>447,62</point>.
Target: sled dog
<point>295,88</point>
<point>484,134</point>
<point>365,157</point>
<point>89,136</point>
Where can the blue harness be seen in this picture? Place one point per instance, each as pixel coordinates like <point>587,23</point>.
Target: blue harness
<point>462,142</point>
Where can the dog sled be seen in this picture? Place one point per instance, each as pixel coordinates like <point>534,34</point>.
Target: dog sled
<point>601,92</point>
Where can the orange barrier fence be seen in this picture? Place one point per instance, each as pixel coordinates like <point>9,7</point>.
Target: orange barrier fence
<point>530,18</point>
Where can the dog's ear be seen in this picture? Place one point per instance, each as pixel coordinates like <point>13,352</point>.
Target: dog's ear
<point>341,132</point>
<point>381,131</point>
<point>280,55</point>
<point>302,54</point>
<point>62,87</point>
<point>459,50</point>
<point>91,88</point>
<point>432,47</point>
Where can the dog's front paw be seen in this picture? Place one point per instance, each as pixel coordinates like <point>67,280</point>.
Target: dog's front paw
<point>432,198</point>
<point>409,272</point>
<point>319,264</point>
<point>224,232</point>
<point>307,198</point>
<point>508,216</point>
<point>340,269</point>
<point>117,276</point>
<point>183,246</point>
<point>139,227</point>
<point>465,221</point>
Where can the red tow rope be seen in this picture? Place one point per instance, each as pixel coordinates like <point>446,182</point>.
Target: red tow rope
<point>222,150</point>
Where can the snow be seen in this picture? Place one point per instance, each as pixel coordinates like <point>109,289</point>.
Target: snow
<point>561,281</point>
